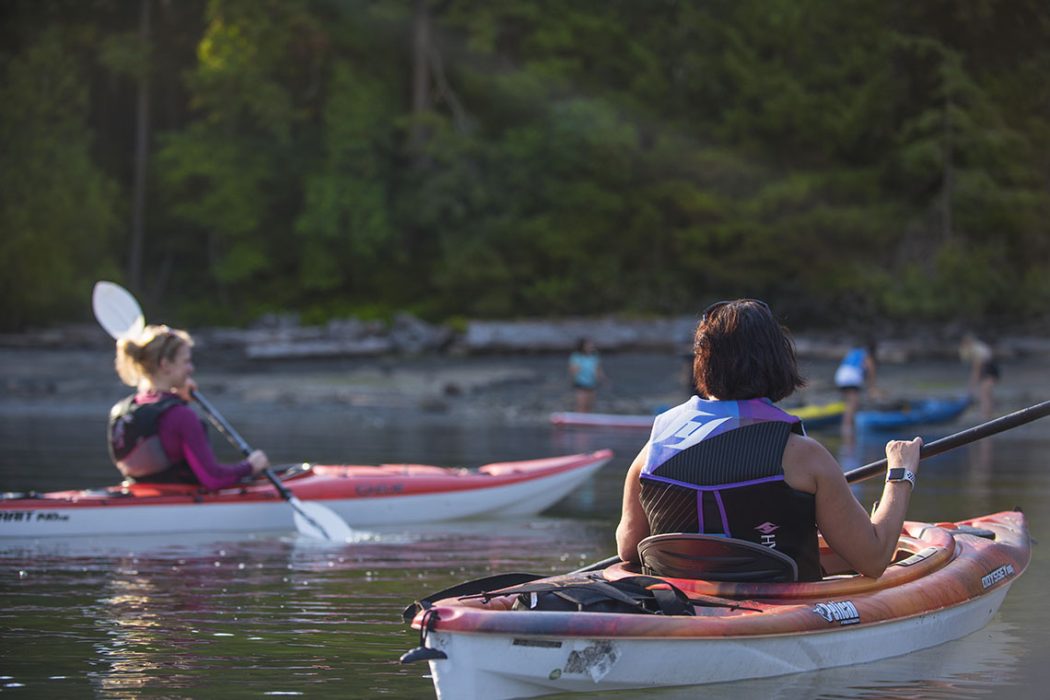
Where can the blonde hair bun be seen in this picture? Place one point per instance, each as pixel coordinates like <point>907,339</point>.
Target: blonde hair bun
<point>139,358</point>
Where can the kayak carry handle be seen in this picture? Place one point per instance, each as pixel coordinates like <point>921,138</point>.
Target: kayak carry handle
<point>422,654</point>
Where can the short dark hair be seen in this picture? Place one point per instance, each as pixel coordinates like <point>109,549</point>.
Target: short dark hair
<point>741,352</point>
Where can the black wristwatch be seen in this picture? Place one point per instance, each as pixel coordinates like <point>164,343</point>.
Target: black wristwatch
<point>901,474</point>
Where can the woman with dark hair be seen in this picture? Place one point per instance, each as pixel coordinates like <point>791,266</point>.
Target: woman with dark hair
<point>154,436</point>
<point>728,462</point>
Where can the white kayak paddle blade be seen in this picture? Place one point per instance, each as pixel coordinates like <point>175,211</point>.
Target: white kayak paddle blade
<point>319,522</point>
<point>116,310</point>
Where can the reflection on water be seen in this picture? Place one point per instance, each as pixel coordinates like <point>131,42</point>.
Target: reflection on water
<point>198,615</point>
<point>277,614</point>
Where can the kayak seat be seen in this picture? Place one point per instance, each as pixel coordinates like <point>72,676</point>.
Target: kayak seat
<point>714,558</point>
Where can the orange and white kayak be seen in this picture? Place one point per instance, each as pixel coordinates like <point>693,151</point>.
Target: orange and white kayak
<point>947,581</point>
<point>389,494</point>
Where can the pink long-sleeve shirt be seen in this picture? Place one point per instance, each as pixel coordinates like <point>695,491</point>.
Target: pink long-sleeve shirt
<point>183,438</point>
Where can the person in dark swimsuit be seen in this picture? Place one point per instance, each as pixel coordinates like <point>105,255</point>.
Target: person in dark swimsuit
<point>984,372</point>
<point>728,462</point>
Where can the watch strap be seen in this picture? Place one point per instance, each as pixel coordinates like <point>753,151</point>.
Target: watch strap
<point>901,474</point>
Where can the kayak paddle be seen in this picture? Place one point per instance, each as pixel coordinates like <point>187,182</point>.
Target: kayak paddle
<point>311,519</point>
<point>118,312</point>
<point>963,437</point>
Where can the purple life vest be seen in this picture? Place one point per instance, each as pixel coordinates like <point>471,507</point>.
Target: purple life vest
<point>715,467</point>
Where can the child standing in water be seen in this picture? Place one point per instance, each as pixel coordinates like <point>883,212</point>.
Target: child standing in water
<point>585,369</point>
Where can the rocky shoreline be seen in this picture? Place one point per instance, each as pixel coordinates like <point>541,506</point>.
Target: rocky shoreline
<point>283,338</point>
<point>486,371</point>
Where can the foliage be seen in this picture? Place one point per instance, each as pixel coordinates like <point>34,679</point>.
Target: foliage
<point>862,159</point>
<point>59,210</point>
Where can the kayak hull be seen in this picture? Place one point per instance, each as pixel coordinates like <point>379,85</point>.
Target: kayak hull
<point>948,581</point>
<point>923,412</point>
<point>587,665</point>
<point>363,496</point>
<point>813,416</point>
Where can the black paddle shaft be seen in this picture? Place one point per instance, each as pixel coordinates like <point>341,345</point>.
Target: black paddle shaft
<point>224,427</point>
<point>998,425</point>
<point>221,424</point>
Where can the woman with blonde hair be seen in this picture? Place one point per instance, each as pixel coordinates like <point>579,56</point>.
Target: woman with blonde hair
<point>154,436</point>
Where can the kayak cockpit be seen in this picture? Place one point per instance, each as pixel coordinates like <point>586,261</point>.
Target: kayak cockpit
<point>921,550</point>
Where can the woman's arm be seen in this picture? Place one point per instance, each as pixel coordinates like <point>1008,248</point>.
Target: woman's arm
<point>866,543</point>
<point>183,437</point>
<point>634,525</point>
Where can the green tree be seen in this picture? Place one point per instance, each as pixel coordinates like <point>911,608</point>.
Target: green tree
<point>234,174</point>
<point>59,210</point>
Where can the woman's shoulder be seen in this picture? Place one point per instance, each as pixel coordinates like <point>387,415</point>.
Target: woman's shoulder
<point>808,454</point>
<point>179,415</point>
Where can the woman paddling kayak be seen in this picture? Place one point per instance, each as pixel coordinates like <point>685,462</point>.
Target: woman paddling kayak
<point>154,436</point>
<point>728,462</point>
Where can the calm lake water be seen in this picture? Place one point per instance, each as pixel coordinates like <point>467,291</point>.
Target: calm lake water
<point>282,615</point>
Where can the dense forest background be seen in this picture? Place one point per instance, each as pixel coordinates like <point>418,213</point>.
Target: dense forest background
<point>858,159</point>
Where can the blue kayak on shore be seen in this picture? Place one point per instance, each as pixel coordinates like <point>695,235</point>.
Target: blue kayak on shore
<point>917,412</point>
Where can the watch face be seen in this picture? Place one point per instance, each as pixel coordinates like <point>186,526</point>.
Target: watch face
<point>900,474</point>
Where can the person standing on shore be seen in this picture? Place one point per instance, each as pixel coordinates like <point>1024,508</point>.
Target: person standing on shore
<point>585,369</point>
<point>855,374</point>
<point>154,436</point>
<point>984,372</point>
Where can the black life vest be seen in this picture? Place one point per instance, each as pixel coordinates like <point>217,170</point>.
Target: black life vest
<point>732,483</point>
<point>135,446</point>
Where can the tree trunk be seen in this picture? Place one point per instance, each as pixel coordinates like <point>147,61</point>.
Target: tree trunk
<point>420,73</point>
<point>138,212</point>
<point>948,175</point>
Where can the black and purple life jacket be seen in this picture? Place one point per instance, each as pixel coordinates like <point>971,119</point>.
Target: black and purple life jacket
<point>715,467</point>
<point>135,446</point>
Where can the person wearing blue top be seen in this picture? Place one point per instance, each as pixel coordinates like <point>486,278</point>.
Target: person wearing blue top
<point>728,462</point>
<point>855,373</point>
<point>585,369</point>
